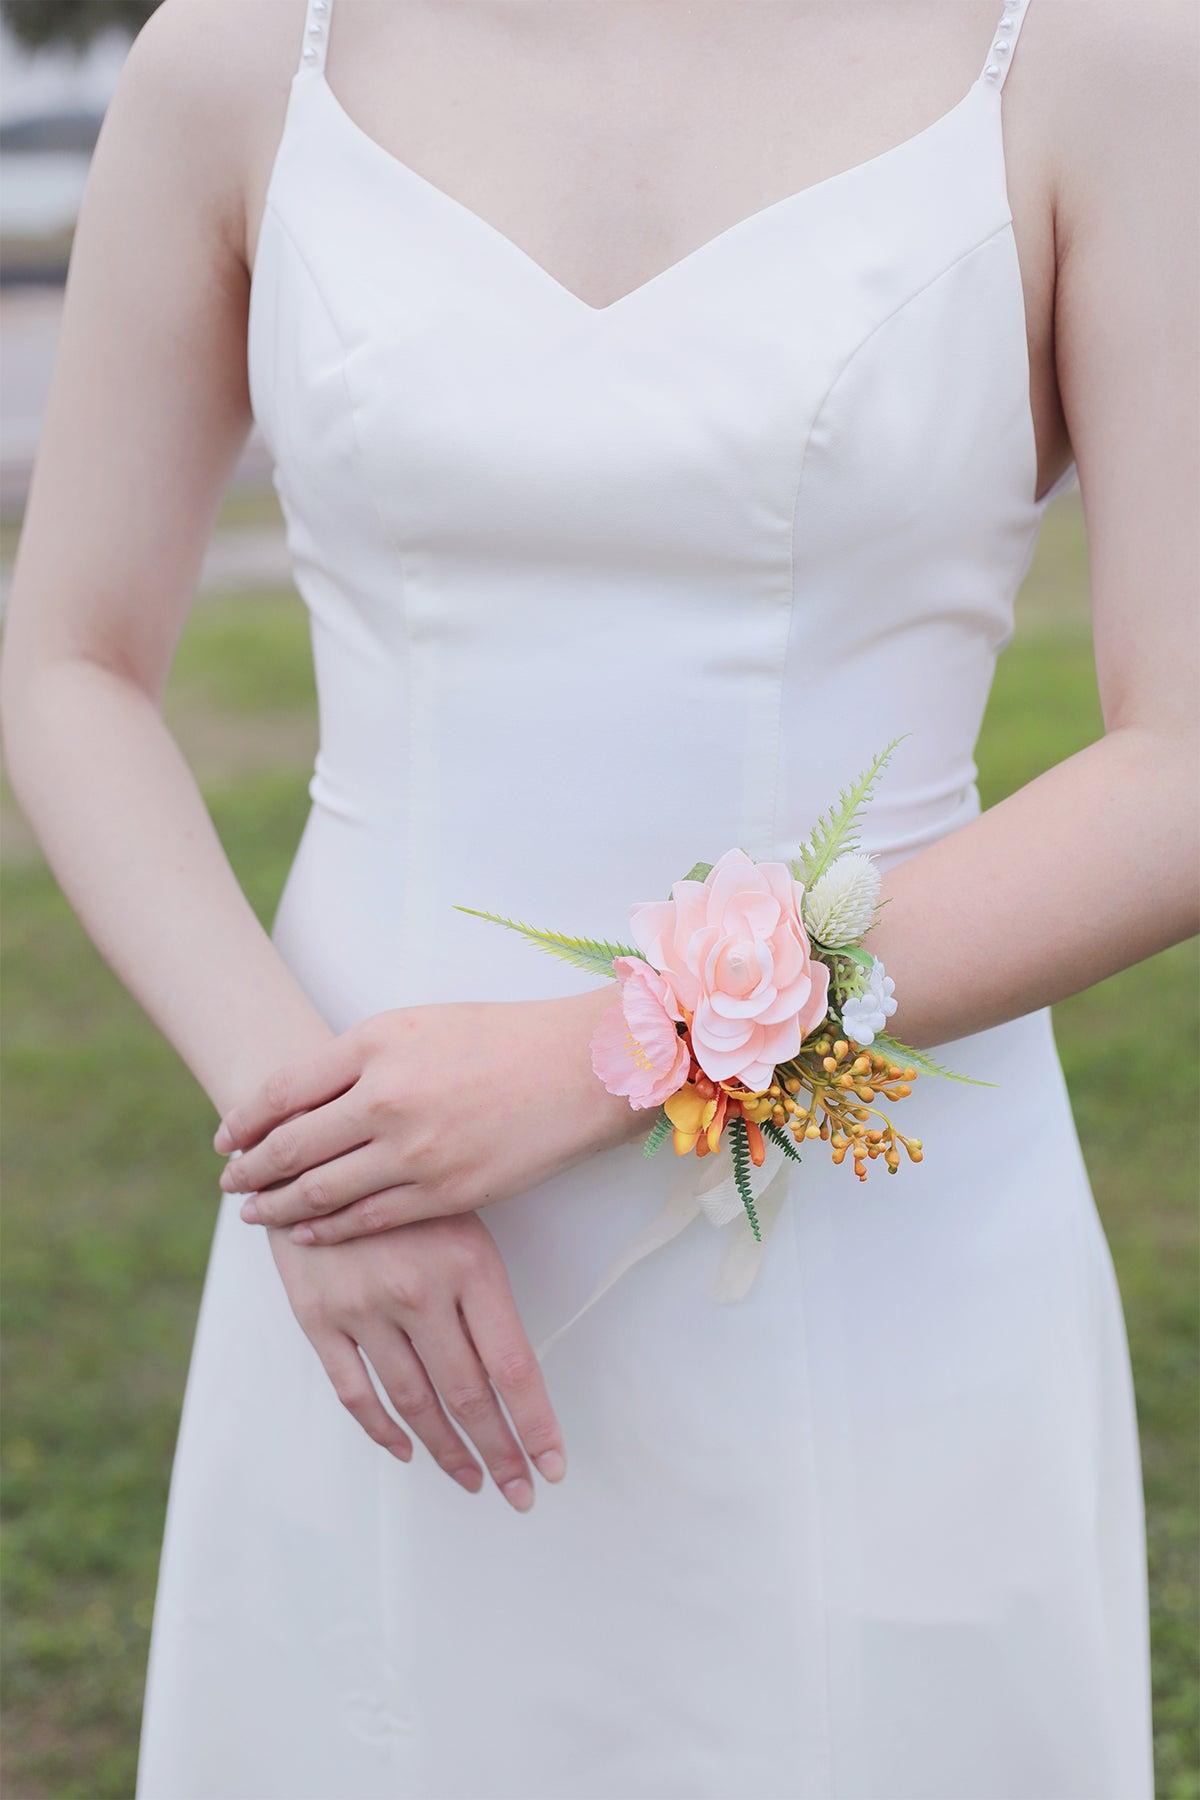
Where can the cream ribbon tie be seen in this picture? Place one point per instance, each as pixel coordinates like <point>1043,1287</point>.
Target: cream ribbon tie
<point>703,1186</point>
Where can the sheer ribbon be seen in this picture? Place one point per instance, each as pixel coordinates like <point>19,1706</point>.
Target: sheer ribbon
<point>704,1185</point>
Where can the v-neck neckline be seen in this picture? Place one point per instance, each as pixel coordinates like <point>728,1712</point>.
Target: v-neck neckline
<point>710,246</point>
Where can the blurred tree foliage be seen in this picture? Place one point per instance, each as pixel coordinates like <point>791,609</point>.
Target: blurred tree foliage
<point>75,22</point>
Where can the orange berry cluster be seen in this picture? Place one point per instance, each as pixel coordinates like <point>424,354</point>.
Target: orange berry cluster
<point>826,1093</point>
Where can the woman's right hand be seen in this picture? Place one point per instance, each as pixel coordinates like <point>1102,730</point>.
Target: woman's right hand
<point>430,1304</point>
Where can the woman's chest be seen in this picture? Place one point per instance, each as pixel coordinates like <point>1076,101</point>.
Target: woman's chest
<point>868,331</point>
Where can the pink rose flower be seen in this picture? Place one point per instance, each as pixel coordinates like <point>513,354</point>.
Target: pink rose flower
<point>635,1047</point>
<point>735,951</point>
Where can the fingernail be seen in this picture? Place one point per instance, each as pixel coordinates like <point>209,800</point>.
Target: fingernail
<point>519,1494</point>
<point>551,1464</point>
<point>402,1452</point>
<point>251,1213</point>
<point>471,1479</point>
<point>224,1138</point>
<point>304,1234</point>
<point>227,1180</point>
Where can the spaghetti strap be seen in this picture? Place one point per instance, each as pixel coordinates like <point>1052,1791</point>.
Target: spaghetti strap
<point>317,16</point>
<point>1000,54</point>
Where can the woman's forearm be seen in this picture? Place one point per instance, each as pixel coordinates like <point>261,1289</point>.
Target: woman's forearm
<point>1084,871</point>
<point>122,823</point>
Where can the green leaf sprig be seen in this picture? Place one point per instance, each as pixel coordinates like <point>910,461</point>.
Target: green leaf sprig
<point>593,954</point>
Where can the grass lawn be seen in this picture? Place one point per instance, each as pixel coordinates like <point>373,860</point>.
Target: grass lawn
<point>111,1190</point>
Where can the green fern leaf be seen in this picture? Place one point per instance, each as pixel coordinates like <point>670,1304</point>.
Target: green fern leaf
<point>904,1053</point>
<point>779,1136</point>
<point>834,834</point>
<point>592,954</point>
<point>739,1147</point>
<point>660,1131</point>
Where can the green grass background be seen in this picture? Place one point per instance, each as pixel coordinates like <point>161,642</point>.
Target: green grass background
<point>110,1184</point>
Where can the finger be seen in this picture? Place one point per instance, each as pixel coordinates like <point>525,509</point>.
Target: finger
<point>291,1088</point>
<point>495,1329</point>
<point>411,1392</point>
<point>352,1385</point>
<point>440,1340</point>
<point>291,1182</point>
<point>382,1211</point>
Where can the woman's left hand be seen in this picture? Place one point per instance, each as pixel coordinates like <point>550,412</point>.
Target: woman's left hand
<point>421,1112</point>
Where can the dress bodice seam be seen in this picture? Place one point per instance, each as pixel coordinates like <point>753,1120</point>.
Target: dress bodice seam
<point>272,211</point>
<point>814,421</point>
<point>862,343</point>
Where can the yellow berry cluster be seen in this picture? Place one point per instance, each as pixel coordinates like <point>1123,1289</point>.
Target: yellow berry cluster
<point>826,1092</point>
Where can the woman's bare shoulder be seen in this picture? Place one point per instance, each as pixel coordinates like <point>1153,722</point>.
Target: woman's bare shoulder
<point>1111,90</point>
<point>206,84</point>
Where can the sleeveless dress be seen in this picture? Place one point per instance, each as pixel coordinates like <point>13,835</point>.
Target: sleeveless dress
<point>596,592</point>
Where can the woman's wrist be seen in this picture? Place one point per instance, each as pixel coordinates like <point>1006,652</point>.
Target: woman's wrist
<point>293,1033</point>
<point>613,1120</point>
<point>533,1106</point>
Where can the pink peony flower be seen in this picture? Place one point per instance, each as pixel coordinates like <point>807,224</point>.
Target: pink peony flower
<point>736,954</point>
<point>635,1047</point>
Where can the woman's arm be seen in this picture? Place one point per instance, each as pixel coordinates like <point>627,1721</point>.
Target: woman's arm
<point>148,411</point>
<point>1095,864</point>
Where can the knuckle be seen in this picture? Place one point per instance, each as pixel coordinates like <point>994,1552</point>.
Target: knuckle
<point>384,1434</point>
<point>427,1157</point>
<point>314,1196</point>
<point>454,1465</point>
<point>366,1036</point>
<point>358,1108</point>
<point>505,1468</point>
<point>517,1367</point>
<point>351,1393</point>
<point>277,1089</point>
<point>541,1436</point>
<point>470,1401</point>
<point>413,1403</point>
<point>405,1287</point>
<point>437,1191</point>
<point>379,1102</point>
<point>356,1310</point>
<point>282,1149</point>
<point>372,1213</point>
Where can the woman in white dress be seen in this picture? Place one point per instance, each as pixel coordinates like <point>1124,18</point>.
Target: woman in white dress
<point>664,402</point>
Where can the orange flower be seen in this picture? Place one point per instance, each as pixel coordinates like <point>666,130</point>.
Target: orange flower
<point>698,1120</point>
<point>758,1149</point>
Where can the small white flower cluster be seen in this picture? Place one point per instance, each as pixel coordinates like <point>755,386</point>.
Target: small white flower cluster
<point>839,909</point>
<point>866,1013</point>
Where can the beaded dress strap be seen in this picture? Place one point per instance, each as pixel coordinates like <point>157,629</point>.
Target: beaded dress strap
<point>316,35</point>
<point>1008,30</point>
<point>319,13</point>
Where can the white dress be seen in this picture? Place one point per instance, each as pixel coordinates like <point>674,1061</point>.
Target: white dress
<point>597,592</point>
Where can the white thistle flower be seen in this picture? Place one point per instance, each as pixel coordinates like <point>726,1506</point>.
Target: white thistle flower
<point>840,905</point>
<point>868,1012</point>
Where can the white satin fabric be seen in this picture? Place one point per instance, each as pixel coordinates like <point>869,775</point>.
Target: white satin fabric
<point>595,593</point>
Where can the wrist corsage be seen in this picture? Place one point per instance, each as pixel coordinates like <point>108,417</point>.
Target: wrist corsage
<point>748,1011</point>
